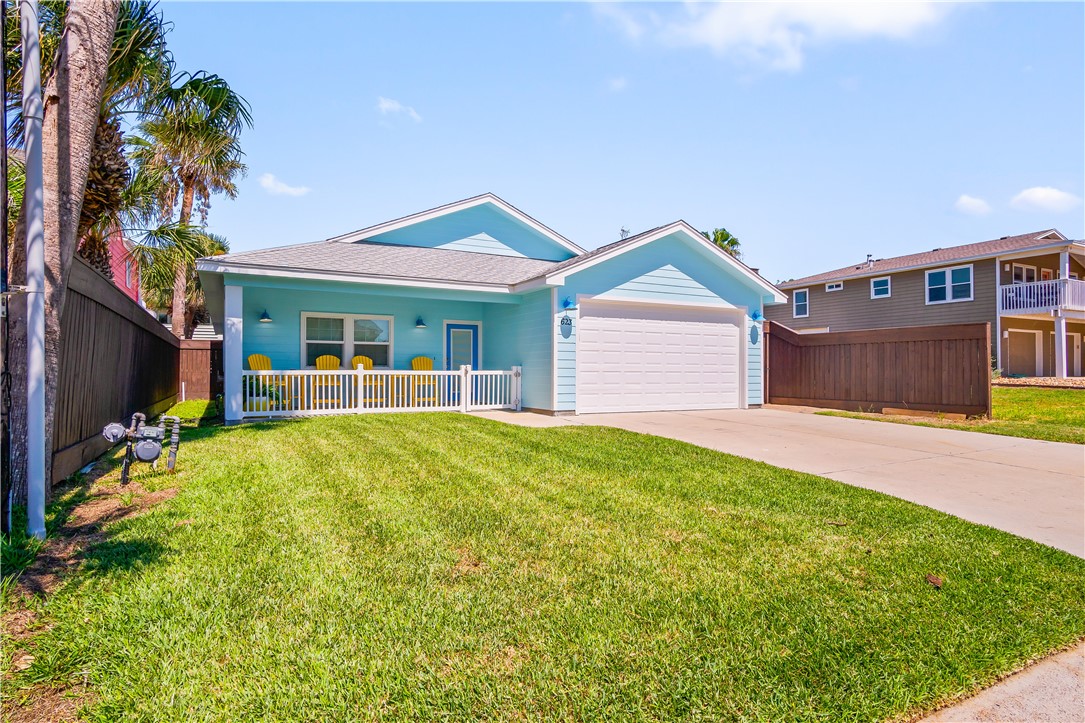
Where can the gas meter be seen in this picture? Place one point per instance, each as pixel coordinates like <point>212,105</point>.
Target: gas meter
<point>145,443</point>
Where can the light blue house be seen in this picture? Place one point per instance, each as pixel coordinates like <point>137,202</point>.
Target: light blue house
<point>506,311</point>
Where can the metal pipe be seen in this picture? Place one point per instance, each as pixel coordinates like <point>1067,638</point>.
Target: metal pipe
<point>35,271</point>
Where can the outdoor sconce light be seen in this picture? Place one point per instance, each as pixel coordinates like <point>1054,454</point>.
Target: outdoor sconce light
<point>265,317</point>
<point>567,303</point>
<point>1005,334</point>
<point>419,324</point>
<point>757,316</point>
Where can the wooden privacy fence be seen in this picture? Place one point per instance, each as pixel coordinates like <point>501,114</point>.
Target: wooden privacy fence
<point>928,368</point>
<point>200,369</point>
<point>115,359</point>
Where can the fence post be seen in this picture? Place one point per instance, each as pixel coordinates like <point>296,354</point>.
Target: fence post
<point>517,374</point>
<point>359,387</point>
<point>465,387</point>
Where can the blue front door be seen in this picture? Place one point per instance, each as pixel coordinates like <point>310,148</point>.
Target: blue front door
<point>461,345</point>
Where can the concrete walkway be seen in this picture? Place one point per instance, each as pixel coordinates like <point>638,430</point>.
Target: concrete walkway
<point>1027,487</point>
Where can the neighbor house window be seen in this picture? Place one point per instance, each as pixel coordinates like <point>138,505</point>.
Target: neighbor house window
<point>128,273</point>
<point>1023,274</point>
<point>801,303</point>
<point>881,287</point>
<point>834,286</point>
<point>945,286</point>
<point>346,336</point>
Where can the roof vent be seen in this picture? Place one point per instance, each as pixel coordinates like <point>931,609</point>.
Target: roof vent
<point>870,261</point>
<point>937,249</point>
<point>1003,238</point>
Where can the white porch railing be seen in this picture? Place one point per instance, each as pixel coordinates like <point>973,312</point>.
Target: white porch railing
<point>1040,296</point>
<point>305,392</point>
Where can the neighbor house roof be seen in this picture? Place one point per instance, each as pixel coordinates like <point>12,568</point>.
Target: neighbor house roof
<point>937,257</point>
<point>385,261</point>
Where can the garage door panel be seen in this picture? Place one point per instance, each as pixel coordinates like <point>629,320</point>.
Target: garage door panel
<point>633,358</point>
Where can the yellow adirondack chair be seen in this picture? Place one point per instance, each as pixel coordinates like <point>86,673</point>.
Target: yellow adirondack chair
<point>327,385</point>
<point>259,363</point>
<point>372,386</point>
<point>425,389</point>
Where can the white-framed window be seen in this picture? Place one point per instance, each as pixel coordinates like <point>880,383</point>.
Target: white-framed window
<point>947,286</point>
<point>1046,274</point>
<point>128,273</point>
<point>346,336</point>
<point>881,287</point>
<point>1023,274</point>
<point>1073,275</point>
<point>834,286</point>
<point>800,303</point>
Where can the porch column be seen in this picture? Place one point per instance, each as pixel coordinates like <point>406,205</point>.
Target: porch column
<point>1064,264</point>
<point>1060,347</point>
<point>231,352</point>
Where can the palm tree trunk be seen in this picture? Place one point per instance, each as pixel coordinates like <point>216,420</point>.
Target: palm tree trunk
<point>180,274</point>
<point>73,95</point>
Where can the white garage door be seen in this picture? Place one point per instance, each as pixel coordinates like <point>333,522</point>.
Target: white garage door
<point>633,358</point>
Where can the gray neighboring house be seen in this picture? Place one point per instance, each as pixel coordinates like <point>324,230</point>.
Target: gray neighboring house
<point>1029,287</point>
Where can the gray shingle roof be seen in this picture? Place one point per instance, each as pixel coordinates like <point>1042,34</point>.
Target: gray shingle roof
<point>362,258</point>
<point>1006,244</point>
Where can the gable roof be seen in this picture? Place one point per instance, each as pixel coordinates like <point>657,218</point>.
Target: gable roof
<point>377,262</point>
<point>937,257</point>
<point>448,208</point>
<point>557,272</point>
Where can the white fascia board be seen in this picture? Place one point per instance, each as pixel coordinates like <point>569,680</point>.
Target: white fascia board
<point>802,283</point>
<point>460,206</point>
<point>559,277</point>
<point>208,266</point>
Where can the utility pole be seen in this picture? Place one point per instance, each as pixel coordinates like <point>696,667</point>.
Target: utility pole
<point>35,271</point>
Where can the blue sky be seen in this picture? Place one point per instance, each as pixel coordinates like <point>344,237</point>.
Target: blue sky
<point>814,133</point>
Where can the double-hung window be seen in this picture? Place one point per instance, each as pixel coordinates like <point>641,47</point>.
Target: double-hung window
<point>346,336</point>
<point>946,286</point>
<point>881,287</point>
<point>800,300</point>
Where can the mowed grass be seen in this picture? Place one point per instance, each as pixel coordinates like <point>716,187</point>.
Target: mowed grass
<point>1055,415</point>
<point>409,567</point>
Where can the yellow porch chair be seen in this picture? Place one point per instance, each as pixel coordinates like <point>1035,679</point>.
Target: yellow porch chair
<point>423,390</point>
<point>329,384</point>
<point>372,386</point>
<point>272,392</point>
<point>259,362</point>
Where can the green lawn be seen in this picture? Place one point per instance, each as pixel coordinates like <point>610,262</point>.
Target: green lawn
<point>409,567</point>
<point>199,409</point>
<point>1056,415</point>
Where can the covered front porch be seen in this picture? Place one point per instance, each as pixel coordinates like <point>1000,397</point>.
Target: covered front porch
<point>350,348</point>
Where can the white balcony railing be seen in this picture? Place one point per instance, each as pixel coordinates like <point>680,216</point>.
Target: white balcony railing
<point>305,392</point>
<point>1041,296</point>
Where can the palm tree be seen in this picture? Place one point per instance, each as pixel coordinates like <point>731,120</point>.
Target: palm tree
<point>162,251</point>
<point>723,238</point>
<point>193,147</point>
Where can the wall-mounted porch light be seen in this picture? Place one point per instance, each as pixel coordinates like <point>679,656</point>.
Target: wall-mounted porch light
<point>265,318</point>
<point>419,324</point>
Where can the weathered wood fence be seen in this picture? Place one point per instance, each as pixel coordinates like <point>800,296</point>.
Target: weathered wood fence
<point>929,368</point>
<point>115,359</point>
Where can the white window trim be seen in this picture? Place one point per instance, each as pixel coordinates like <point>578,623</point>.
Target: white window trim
<point>1051,275</point>
<point>949,285</point>
<point>794,303</point>
<point>348,343</point>
<point>834,286</point>
<point>1014,267</point>
<point>889,288</point>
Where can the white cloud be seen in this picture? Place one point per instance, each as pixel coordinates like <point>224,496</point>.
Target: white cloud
<point>617,85</point>
<point>972,206</point>
<point>774,35</point>
<point>388,106</point>
<point>275,187</point>
<point>1045,198</point>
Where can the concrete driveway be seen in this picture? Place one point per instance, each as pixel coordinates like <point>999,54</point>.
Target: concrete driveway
<point>1030,488</point>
